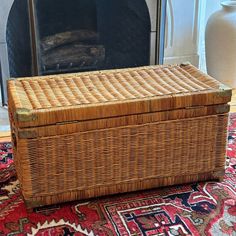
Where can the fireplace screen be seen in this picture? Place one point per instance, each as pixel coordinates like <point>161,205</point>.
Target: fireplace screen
<point>57,36</point>
<point>83,35</point>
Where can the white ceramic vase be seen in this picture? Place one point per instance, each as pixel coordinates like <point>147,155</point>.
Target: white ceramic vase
<point>221,44</point>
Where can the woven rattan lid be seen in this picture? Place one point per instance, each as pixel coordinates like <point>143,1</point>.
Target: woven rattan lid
<point>54,99</point>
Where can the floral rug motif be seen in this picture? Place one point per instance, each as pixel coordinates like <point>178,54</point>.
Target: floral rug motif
<point>207,208</point>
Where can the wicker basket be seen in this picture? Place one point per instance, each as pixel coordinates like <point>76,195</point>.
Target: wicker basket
<point>91,134</point>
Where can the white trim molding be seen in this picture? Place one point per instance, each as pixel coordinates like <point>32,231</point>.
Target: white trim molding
<point>182,24</point>
<point>4,13</point>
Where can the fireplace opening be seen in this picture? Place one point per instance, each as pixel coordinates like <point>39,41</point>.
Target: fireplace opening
<point>84,35</point>
<point>18,40</point>
<point>49,37</point>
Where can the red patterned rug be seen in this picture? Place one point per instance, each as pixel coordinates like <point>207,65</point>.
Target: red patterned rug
<point>207,208</point>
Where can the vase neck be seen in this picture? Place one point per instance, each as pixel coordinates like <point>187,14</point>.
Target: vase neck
<point>229,5</point>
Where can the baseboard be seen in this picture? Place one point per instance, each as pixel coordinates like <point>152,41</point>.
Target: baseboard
<point>193,59</point>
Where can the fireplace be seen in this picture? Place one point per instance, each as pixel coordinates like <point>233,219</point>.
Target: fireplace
<point>60,36</point>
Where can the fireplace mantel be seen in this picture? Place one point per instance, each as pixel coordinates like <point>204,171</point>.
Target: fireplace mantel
<point>4,63</point>
<point>4,12</point>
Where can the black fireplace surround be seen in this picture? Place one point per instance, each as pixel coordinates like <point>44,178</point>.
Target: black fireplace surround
<point>107,33</point>
<point>57,36</point>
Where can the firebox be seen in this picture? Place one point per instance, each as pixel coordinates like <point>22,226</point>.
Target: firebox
<point>60,36</point>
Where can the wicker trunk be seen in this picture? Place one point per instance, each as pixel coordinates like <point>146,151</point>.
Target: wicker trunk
<point>90,134</point>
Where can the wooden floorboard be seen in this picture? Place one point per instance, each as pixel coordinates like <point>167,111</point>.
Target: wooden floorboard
<point>233,102</point>
<point>5,139</point>
<point>4,133</point>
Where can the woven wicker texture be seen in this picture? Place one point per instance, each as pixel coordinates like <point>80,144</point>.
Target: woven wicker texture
<point>90,134</point>
<point>75,127</point>
<point>94,88</point>
<point>103,159</point>
<point>53,99</point>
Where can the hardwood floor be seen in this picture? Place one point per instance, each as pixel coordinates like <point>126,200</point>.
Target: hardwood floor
<point>5,134</point>
<point>4,124</point>
<point>5,139</point>
<point>233,102</point>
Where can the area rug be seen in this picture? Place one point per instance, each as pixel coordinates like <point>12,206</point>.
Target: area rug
<point>207,208</point>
